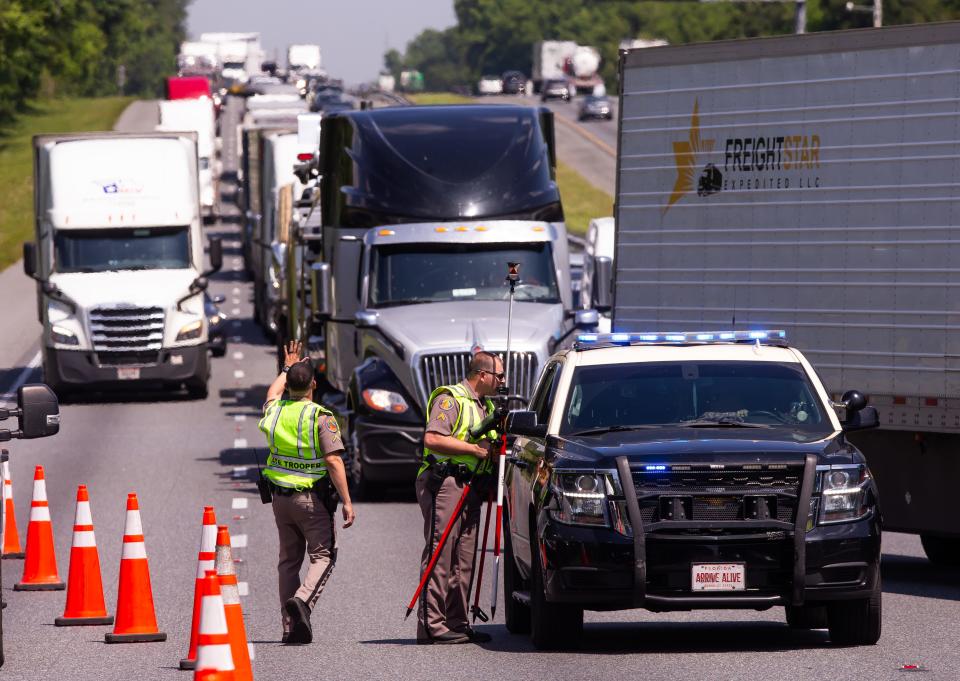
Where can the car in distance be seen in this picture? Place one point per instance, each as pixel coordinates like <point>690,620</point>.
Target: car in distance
<point>689,471</point>
<point>514,83</point>
<point>556,89</point>
<point>490,85</point>
<point>595,106</point>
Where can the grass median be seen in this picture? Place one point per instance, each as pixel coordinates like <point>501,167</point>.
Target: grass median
<point>581,200</point>
<point>16,159</point>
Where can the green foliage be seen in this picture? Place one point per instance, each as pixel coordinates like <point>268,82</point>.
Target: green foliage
<point>492,36</point>
<point>77,47</point>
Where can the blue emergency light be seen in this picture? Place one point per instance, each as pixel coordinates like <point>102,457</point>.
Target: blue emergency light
<point>686,337</point>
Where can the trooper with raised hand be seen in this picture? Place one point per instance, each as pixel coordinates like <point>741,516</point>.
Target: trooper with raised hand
<point>306,476</point>
<point>449,461</point>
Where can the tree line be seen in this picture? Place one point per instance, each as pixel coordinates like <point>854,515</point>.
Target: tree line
<point>493,36</point>
<point>86,48</point>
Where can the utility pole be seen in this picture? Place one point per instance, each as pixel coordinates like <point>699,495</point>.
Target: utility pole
<point>877,13</point>
<point>801,14</point>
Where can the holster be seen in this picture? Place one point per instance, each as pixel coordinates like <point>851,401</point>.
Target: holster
<point>328,494</point>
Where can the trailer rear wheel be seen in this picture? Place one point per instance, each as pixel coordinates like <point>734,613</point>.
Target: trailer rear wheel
<point>941,550</point>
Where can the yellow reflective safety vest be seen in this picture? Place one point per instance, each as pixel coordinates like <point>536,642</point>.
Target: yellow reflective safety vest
<point>468,416</point>
<point>292,429</point>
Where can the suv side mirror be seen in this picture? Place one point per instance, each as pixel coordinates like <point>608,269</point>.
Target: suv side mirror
<point>603,283</point>
<point>854,401</point>
<point>320,289</point>
<point>30,259</point>
<point>861,420</point>
<point>525,423</point>
<point>38,413</point>
<point>216,256</point>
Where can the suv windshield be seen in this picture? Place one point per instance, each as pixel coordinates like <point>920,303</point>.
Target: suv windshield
<point>103,250</point>
<point>418,273</point>
<point>695,394</point>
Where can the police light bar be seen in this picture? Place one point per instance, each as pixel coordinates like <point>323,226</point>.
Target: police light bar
<point>684,337</point>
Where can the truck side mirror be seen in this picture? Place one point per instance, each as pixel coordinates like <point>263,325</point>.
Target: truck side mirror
<point>603,283</point>
<point>525,423</point>
<point>586,319</point>
<point>30,259</point>
<point>365,318</point>
<point>216,256</point>
<point>320,289</point>
<point>39,411</point>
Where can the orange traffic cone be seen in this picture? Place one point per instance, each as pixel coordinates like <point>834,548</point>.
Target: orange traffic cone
<point>136,618</point>
<point>205,561</point>
<point>214,660</point>
<point>40,566</point>
<point>84,586</point>
<point>227,575</point>
<point>11,538</point>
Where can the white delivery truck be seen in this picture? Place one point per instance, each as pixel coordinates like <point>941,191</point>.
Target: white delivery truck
<point>118,260</point>
<point>197,115</point>
<point>303,58</point>
<point>809,183</point>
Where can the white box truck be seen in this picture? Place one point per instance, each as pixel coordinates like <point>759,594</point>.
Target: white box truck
<point>197,115</point>
<point>303,58</point>
<point>119,261</point>
<point>809,183</point>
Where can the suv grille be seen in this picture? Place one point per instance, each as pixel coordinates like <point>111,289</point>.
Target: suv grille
<point>445,369</point>
<point>127,333</point>
<point>729,494</point>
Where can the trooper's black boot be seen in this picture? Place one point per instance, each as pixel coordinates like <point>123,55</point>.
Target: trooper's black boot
<point>446,638</point>
<point>300,629</point>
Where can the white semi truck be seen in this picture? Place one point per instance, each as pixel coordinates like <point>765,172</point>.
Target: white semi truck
<point>303,58</point>
<point>119,261</point>
<point>197,115</point>
<point>809,183</point>
<point>566,60</point>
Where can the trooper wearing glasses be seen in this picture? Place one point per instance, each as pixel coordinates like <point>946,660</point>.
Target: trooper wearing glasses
<point>451,459</point>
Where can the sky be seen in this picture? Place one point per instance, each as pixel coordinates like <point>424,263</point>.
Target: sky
<point>352,35</point>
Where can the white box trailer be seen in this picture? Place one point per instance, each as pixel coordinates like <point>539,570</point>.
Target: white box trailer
<point>810,183</point>
<point>119,261</point>
<point>197,115</point>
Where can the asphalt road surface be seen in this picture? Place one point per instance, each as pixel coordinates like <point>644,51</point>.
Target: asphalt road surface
<point>179,454</point>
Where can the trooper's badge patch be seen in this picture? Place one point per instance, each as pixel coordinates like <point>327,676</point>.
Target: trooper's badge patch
<point>446,404</point>
<point>443,417</point>
<point>332,425</point>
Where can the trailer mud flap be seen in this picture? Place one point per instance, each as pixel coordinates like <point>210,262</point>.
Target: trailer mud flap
<point>639,537</point>
<point>800,529</point>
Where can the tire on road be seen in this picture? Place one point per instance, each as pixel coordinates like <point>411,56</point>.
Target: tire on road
<point>941,550</point>
<point>856,622</point>
<point>553,626</point>
<point>515,613</point>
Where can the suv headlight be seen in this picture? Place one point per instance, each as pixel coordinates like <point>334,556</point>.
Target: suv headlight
<point>385,400</point>
<point>191,331</point>
<point>843,493</point>
<point>581,498</point>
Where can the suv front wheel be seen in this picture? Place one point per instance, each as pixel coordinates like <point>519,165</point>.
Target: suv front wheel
<point>552,625</point>
<point>856,623</point>
<point>515,613</point>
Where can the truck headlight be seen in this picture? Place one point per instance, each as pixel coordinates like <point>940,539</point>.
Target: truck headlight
<point>581,498</point>
<point>385,400</point>
<point>63,335</point>
<point>843,493</point>
<point>191,331</point>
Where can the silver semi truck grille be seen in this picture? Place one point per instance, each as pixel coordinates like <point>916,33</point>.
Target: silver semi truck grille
<point>127,334</point>
<point>437,370</point>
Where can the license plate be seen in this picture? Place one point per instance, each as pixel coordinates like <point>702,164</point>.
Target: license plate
<point>718,577</point>
<point>128,373</point>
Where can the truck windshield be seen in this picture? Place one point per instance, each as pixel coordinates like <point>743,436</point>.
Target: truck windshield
<point>695,395</point>
<point>103,250</point>
<point>418,273</point>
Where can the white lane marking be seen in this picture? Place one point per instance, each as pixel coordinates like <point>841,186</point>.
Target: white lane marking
<point>241,394</point>
<point>240,417</point>
<point>236,290</point>
<point>240,472</point>
<point>239,541</point>
<point>253,655</point>
<point>22,377</point>
<point>239,503</point>
<point>240,443</point>
<point>235,311</point>
<point>243,588</point>
<point>238,355</point>
<point>238,373</point>
<point>236,301</point>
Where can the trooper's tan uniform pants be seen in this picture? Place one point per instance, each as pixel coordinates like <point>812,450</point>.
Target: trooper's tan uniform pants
<point>443,604</point>
<point>303,525</point>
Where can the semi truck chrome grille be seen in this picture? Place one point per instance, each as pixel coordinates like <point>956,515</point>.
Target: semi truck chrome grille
<point>448,368</point>
<point>125,330</point>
